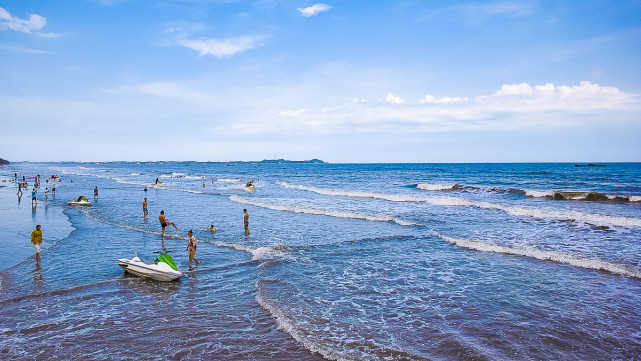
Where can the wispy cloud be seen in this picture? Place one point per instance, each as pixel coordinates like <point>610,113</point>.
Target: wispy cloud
<point>444,100</point>
<point>475,14</point>
<point>22,49</point>
<point>27,26</point>
<point>222,48</point>
<point>314,9</point>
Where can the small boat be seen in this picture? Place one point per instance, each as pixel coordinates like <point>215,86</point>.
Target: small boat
<point>249,188</point>
<point>81,201</point>
<point>163,267</point>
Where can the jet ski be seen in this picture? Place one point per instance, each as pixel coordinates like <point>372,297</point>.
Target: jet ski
<point>81,201</point>
<point>249,188</point>
<point>163,267</point>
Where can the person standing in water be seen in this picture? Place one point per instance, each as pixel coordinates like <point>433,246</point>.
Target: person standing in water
<point>164,223</point>
<point>36,239</point>
<point>211,229</point>
<point>46,194</point>
<point>53,191</point>
<point>95,193</point>
<point>33,196</point>
<point>191,247</point>
<point>144,207</point>
<point>246,222</point>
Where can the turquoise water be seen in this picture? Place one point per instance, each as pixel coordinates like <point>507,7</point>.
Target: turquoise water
<point>343,261</point>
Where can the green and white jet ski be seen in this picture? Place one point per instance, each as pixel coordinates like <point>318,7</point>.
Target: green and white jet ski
<point>163,267</point>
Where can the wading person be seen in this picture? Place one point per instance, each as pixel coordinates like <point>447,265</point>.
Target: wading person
<point>191,248</point>
<point>164,223</point>
<point>36,239</point>
<point>246,222</point>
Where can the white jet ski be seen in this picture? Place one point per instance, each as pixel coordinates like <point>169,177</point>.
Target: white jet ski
<point>162,268</point>
<point>81,201</point>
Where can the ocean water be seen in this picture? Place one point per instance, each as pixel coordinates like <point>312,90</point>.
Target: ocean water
<point>343,262</point>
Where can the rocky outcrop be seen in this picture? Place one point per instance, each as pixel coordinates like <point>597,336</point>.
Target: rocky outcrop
<point>3,161</point>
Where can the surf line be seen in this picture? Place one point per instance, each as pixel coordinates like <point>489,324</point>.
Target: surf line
<point>557,257</point>
<point>461,202</point>
<point>319,211</point>
<point>258,254</point>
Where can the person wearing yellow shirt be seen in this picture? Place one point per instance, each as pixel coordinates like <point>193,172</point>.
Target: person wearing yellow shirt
<point>36,239</point>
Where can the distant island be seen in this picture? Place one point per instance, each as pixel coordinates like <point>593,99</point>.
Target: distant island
<point>316,161</point>
<point>3,161</point>
<point>589,165</point>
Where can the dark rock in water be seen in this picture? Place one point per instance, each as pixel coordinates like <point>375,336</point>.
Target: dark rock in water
<point>596,197</point>
<point>558,196</point>
<point>3,161</point>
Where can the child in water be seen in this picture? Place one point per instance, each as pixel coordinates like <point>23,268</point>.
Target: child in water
<point>191,247</point>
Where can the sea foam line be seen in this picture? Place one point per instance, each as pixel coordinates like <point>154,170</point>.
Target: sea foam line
<point>318,211</point>
<point>288,325</point>
<point>545,256</point>
<point>258,254</point>
<point>461,202</point>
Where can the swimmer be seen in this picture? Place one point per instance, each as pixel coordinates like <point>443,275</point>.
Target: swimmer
<point>211,229</point>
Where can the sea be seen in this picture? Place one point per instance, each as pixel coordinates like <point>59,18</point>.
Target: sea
<point>536,261</point>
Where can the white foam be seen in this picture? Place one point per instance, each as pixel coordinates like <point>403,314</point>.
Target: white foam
<point>538,194</point>
<point>318,211</point>
<point>260,253</point>
<point>127,181</point>
<point>229,180</point>
<point>461,202</point>
<point>357,194</point>
<point>545,256</point>
<point>288,325</point>
<point>635,198</point>
<point>435,187</point>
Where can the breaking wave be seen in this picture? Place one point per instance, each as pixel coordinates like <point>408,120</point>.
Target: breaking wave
<point>583,196</point>
<point>318,211</point>
<point>558,257</point>
<point>576,216</point>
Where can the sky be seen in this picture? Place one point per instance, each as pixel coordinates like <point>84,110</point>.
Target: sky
<point>342,81</point>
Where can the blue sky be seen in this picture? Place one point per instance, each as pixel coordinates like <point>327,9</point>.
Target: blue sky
<point>343,81</point>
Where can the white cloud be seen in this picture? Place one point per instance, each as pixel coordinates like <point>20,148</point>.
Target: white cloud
<point>444,100</point>
<point>314,9</point>
<point>222,48</point>
<point>28,26</point>
<point>294,113</point>
<point>583,97</point>
<point>513,106</point>
<point>391,98</point>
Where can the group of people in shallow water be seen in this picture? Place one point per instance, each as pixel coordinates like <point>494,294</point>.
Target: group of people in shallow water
<point>191,245</point>
<point>36,235</point>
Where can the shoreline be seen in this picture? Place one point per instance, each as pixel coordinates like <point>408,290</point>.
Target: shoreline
<point>19,219</point>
